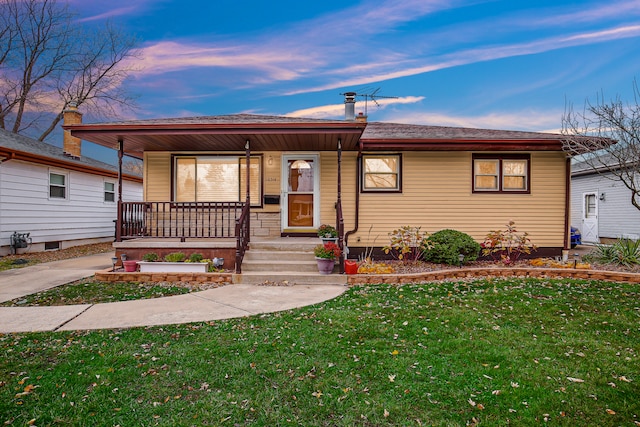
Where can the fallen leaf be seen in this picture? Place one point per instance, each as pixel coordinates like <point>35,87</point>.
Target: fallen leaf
<point>386,413</point>
<point>575,380</point>
<point>471,402</point>
<point>625,379</point>
<point>392,378</point>
<point>611,412</point>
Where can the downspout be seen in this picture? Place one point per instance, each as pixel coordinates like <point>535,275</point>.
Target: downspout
<point>119,213</point>
<point>567,204</point>
<point>357,198</point>
<point>340,218</point>
<point>248,190</point>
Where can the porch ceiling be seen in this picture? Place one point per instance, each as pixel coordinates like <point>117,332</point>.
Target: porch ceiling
<point>293,135</point>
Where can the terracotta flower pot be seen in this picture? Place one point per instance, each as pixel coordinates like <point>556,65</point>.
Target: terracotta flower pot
<point>130,265</point>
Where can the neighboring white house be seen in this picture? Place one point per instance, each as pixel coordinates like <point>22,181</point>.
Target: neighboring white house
<point>55,195</point>
<point>601,206</point>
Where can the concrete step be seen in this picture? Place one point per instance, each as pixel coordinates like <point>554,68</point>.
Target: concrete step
<point>274,255</point>
<point>291,278</point>
<point>291,244</point>
<point>279,265</point>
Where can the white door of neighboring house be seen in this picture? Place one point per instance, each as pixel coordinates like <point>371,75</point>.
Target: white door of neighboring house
<point>590,218</point>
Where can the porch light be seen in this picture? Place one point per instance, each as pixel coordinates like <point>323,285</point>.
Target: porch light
<point>270,161</point>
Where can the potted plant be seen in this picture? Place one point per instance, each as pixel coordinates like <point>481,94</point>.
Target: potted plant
<point>175,262</point>
<point>326,255</point>
<point>328,233</point>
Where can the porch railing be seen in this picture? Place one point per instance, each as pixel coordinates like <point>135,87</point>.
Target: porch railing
<point>242,237</point>
<point>179,219</point>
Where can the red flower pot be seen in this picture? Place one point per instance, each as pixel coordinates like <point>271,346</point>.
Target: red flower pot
<point>350,267</point>
<point>130,265</point>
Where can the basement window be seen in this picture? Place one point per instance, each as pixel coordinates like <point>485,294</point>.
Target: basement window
<point>51,246</point>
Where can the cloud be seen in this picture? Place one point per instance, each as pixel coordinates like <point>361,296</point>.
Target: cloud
<point>122,11</point>
<point>525,120</point>
<point>337,110</point>
<point>471,56</point>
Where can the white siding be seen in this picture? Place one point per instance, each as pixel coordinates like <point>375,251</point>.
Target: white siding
<point>84,215</point>
<point>617,217</point>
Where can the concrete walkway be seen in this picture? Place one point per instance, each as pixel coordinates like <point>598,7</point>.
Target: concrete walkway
<point>213,304</point>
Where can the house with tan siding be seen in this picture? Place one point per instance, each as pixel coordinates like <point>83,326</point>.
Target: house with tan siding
<point>242,177</point>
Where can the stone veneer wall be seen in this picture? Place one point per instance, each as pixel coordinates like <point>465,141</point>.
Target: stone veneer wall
<point>122,276</point>
<point>265,224</point>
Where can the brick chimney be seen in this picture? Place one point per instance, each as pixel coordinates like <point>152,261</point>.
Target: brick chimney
<point>350,106</point>
<point>71,146</point>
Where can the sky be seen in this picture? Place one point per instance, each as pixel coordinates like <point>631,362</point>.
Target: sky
<point>497,64</point>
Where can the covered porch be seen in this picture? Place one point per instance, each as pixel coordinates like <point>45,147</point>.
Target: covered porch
<point>220,226</point>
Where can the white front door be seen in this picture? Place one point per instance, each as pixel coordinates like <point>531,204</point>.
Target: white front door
<point>300,189</point>
<point>590,218</point>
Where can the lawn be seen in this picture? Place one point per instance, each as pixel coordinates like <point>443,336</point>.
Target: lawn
<point>489,352</point>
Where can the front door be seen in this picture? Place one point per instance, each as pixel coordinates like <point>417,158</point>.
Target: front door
<point>300,182</point>
<point>590,218</point>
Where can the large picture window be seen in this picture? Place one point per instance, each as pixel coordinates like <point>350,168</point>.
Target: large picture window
<point>217,179</point>
<point>501,173</point>
<point>381,173</point>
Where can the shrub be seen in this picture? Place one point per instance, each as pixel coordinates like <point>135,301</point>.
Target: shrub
<point>447,245</point>
<point>407,243</point>
<point>150,257</point>
<point>175,257</point>
<point>508,245</point>
<point>623,252</point>
<point>195,257</point>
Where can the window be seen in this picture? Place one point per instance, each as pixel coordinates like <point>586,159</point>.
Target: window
<point>109,192</point>
<point>57,186</point>
<point>501,173</point>
<point>381,173</point>
<point>217,179</point>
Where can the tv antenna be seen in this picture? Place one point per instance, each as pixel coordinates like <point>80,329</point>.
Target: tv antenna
<point>372,95</point>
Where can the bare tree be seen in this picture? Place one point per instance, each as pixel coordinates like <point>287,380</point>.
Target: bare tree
<point>48,60</point>
<point>607,136</point>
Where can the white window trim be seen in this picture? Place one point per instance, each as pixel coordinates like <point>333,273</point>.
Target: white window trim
<point>66,184</point>
<point>104,191</point>
<point>398,174</point>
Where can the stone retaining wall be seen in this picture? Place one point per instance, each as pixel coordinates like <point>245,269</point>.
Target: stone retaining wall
<point>121,276</point>
<point>465,273</point>
<point>362,279</point>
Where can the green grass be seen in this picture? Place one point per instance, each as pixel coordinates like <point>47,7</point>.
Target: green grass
<point>88,291</point>
<point>492,352</point>
<point>11,263</point>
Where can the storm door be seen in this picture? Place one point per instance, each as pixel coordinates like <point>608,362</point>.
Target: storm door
<point>300,181</point>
